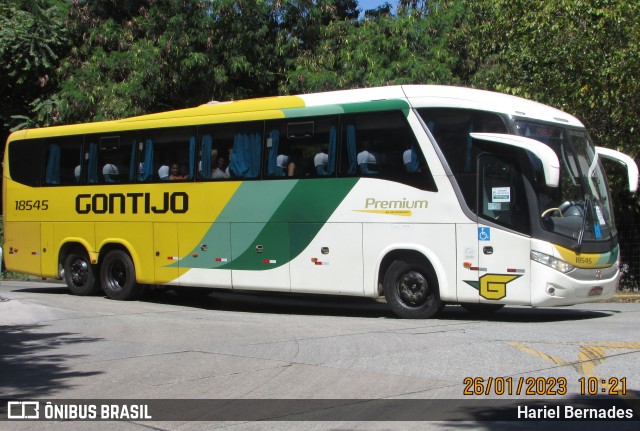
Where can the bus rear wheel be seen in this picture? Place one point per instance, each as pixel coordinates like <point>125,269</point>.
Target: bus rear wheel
<point>411,290</point>
<point>118,276</point>
<point>80,275</point>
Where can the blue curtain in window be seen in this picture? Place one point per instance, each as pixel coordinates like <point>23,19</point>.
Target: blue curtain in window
<point>92,169</point>
<point>468,161</point>
<point>192,155</point>
<point>351,149</point>
<point>331,167</point>
<point>239,164</point>
<point>205,156</point>
<point>147,164</point>
<point>272,162</point>
<point>255,151</point>
<point>245,161</point>
<point>52,174</point>
<point>132,162</point>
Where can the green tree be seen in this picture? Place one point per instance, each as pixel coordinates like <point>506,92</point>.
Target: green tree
<point>582,57</point>
<point>380,50</point>
<point>32,41</point>
<point>134,57</point>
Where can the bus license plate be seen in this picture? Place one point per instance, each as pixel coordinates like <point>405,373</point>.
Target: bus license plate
<point>595,291</point>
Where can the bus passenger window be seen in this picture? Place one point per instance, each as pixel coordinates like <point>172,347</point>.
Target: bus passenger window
<point>27,155</point>
<point>450,128</point>
<point>111,159</point>
<point>214,152</point>
<point>301,148</point>
<point>63,161</point>
<point>382,145</point>
<point>159,149</point>
<point>245,158</point>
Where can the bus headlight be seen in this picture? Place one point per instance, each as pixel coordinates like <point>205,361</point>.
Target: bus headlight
<point>557,264</point>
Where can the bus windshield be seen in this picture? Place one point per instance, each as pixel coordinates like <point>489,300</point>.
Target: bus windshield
<point>580,207</point>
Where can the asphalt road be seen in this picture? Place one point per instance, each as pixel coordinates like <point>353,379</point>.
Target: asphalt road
<point>241,346</point>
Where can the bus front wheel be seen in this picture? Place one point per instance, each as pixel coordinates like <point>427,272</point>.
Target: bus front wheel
<point>411,290</point>
<point>80,275</point>
<point>118,276</point>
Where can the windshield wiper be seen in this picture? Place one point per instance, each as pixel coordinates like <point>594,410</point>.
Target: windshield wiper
<point>587,202</point>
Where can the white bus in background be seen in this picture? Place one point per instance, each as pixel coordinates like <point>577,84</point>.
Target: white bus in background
<point>423,195</point>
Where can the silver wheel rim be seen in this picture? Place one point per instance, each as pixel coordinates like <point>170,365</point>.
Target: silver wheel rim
<point>79,272</point>
<point>413,288</point>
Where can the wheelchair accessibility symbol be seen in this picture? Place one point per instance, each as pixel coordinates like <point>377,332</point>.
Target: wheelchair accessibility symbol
<point>484,234</point>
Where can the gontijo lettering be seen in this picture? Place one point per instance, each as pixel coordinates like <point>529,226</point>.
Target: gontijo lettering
<point>133,203</point>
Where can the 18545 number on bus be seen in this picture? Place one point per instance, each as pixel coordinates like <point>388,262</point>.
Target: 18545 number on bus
<point>39,205</point>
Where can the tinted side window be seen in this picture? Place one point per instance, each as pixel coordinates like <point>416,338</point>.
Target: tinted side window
<point>109,158</point>
<point>301,148</point>
<point>214,148</point>
<point>382,145</point>
<point>166,154</point>
<point>502,193</point>
<point>25,161</point>
<point>451,128</point>
<point>63,161</point>
<point>246,153</point>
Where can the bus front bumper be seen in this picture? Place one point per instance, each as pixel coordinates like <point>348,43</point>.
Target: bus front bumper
<point>551,288</point>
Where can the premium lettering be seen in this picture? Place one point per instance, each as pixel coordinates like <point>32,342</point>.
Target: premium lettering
<point>371,203</point>
<point>132,203</point>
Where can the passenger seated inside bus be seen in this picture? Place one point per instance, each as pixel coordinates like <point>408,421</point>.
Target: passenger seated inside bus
<point>221,170</point>
<point>110,173</point>
<point>163,172</point>
<point>321,162</point>
<point>365,160</point>
<point>282,161</point>
<point>294,164</point>
<point>77,172</point>
<point>410,161</point>
<point>174,173</point>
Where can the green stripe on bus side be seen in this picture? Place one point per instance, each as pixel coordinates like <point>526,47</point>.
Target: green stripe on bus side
<point>377,105</point>
<point>251,206</point>
<point>348,108</point>
<point>295,223</point>
<point>253,217</point>
<point>313,111</point>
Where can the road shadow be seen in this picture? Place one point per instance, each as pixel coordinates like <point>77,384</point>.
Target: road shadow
<point>332,305</point>
<point>29,364</point>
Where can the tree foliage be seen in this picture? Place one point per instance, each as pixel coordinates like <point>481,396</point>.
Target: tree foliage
<point>144,56</point>
<point>580,56</point>
<point>32,41</point>
<point>380,50</point>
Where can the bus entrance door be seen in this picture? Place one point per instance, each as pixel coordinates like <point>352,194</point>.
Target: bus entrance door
<point>503,232</point>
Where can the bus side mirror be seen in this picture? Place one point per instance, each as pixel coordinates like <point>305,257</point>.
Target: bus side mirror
<point>549,159</point>
<point>632,168</point>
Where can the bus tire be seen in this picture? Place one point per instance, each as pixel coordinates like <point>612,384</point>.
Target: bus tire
<point>481,308</point>
<point>118,276</point>
<point>81,277</point>
<point>411,290</point>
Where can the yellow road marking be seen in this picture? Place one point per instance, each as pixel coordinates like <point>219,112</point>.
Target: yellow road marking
<point>590,355</point>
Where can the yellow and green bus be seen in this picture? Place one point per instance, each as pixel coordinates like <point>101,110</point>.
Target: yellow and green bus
<point>423,195</point>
